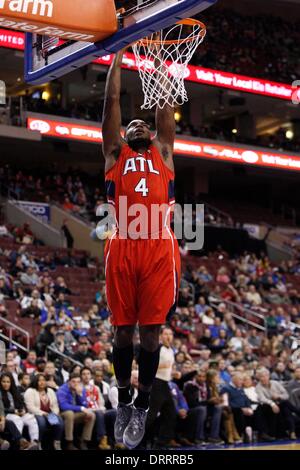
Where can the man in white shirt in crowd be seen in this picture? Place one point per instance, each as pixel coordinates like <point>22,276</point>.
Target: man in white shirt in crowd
<point>253,296</point>
<point>273,396</point>
<point>161,401</point>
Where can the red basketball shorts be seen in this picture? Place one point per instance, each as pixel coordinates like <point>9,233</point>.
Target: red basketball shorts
<point>142,279</point>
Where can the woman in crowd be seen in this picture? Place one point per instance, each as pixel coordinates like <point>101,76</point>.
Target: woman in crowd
<point>214,398</point>
<point>16,412</point>
<point>42,402</point>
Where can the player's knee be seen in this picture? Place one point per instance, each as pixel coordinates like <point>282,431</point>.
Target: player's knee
<point>123,336</point>
<point>149,336</point>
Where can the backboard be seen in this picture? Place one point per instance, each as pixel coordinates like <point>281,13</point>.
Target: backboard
<point>146,17</point>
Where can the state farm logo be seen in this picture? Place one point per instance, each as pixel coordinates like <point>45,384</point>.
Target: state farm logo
<point>250,157</point>
<point>41,126</point>
<point>33,7</point>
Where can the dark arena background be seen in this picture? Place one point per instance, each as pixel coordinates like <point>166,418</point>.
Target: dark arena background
<point>235,334</point>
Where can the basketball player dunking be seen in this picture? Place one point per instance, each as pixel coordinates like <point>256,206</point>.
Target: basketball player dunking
<point>142,274</point>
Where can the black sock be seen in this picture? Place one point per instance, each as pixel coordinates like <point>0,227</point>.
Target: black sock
<point>125,395</point>
<point>142,400</point>
<point>122,361</point>
<point>148,364</point>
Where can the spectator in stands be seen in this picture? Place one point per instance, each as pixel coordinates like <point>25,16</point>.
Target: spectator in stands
<point>48,314</point>
<point>272,323</point>
<point>12,355</point>
<point>24,382</point>
<point>161,398</point>
<point>29,364</point>
<point>63,367</point>
<point>24,234</point>
<point>68,206</point>
<point>41,401</point>
<point>201,306</point>
<point>30,261</point>
<point>103,386</point>
<point>68,236</point>
<point>18,267</point>
<point>12,368</point>
<point>40,365</point>
<point>253,297</point>
<point>222,276</point>
<point>293,389</point>
<point>276,400</point>
<point>64,318</point>
<point>15,410</point>
<point>237,342</point>
<point>187,420</point>
<point>62,304</point>
<point>83,350</point>
<point>5,290</point>
<point>4,444</point>
<point>260,420</point>
<point>203,274</point>
<point>74,409</point>
<point>61,286</point>
<point>34,307</point>
<point>225,377</point>
<point>281,373</point>
<point>45,338</point>
<point>246,419</point>
<point>10,437</point>
<point>52,378</point>
<point>208,318</point>
<point>196,394</point>
<point>23,299</point>
<point>59,343</point>
<point>193,347</point>
<point>216,399</point>
<point>96,403</point>
<point>30,277</point>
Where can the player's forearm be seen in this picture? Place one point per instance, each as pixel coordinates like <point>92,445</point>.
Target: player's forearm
<point>111,121</point>
<point>113,83</point>
<point>165,121</point>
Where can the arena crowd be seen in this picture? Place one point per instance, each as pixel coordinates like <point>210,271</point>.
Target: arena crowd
<point>230,379</point>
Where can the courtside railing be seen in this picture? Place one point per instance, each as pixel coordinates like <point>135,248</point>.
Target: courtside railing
<point>8,331</point>
<point>241,313</point>
<point>62,356</point>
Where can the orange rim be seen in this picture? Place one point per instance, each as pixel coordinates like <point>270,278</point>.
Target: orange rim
<point>186,22</point>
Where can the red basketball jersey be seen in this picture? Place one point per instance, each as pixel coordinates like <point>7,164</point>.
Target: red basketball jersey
<point>147,187</point>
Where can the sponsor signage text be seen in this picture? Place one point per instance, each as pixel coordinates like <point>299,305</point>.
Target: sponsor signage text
<point>217,78</point>
<point>197,148</point>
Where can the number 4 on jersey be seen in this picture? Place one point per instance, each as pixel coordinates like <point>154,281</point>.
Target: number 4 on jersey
<point>142,188</point>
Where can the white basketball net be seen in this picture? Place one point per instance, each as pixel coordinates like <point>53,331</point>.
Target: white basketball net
<point>163,67</point>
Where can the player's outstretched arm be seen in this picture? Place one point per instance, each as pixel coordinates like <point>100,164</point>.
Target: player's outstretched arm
<point>165,133</point>
<point>112,121</point>
<point>165,124</point>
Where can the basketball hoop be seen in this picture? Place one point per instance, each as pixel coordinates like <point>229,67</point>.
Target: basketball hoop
<point>163,62</point>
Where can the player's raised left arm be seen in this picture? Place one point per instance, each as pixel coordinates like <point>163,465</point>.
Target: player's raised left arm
<point>111,122</point>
